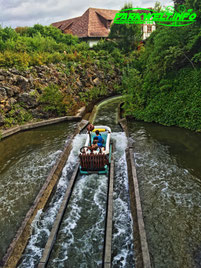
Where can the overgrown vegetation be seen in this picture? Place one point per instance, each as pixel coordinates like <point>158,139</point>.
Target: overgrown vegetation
<point>56,102</point>
<point>17,116</point>
<point>162,81</point>
<point>29,46</point>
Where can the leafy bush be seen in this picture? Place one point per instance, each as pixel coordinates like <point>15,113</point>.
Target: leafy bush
<point>52,100</point>
<point>17,115</point>
<point>166,88</point>
<point>175,103</point>
<point>27,46</point>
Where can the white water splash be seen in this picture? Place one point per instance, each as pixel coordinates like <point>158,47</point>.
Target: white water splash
<point>82,231</point>
<point>123,226</point>
<point>44,220</point>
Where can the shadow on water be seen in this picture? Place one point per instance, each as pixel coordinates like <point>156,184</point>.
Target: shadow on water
<point>169,174</point>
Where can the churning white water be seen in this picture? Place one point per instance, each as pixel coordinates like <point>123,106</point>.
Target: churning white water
<point>122,243</point>
<point>45,219</point>
<point>81,237</point>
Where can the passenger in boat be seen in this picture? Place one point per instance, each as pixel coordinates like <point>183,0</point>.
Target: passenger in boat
<point>100,139</point>
<point>94,145</point>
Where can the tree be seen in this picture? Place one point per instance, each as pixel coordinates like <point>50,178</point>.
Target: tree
<point>127,36</point>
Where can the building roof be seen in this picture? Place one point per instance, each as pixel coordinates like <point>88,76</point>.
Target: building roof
<point>95,22</point>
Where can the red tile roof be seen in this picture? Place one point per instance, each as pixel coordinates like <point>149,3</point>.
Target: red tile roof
<point>94,22</point>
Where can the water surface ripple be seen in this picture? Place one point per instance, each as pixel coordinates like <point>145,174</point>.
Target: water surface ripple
<point>170,187</point>
<point>25,160</point>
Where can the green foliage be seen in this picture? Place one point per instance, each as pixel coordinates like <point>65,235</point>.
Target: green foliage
<point>52,100</point>
<point>175,100</point>
<point>48,32</point>
<point>126,36</point>
<point>132,85</point>
<point>10,59</point>
<point>93,94</point>
<point>17,115</point>
<point>27,46</point>
<point>165,88</point>
<point>105,45</point>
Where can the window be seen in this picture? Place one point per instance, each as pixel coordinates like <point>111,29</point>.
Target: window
<point>149,28</point>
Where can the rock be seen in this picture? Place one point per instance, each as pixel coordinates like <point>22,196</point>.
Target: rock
<point>10,91</point>
<point>79,83</point>
<point>40,114</point>
<point>12,101</point>
<point>1,120</point>
<point>23,82</point>
<point>13,80</point>
<point>3,94</point>
<point>31,80</point>
<point>7,106</point>
<point>5,73</point>
<point>2,77</point>
<point>27,101</point>
<point>40,75</point>
<point>14,71</point>
<point>96,81</point>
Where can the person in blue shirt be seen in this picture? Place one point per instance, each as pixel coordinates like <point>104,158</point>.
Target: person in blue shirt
<point>100,139</point>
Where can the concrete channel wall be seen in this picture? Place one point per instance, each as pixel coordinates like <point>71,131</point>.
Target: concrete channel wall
<point>139,233</point>
<point>14,130</point>
<point>55,229</point>
<point>19,243</point>
<point>16,248</point>
<point>21,238</point>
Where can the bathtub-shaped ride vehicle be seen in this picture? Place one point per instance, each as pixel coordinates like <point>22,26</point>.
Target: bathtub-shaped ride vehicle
<point>96,161</point>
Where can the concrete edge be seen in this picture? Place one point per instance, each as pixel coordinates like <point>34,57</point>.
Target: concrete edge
<point>108,233</point>
<point>123,124</point>
<point>55,229</point>
<point>141,227</point>
<point>14,130</point>
<point>93,114</point>
<point>143,256</point>
<point>97,105</point>
<point>17,246</point>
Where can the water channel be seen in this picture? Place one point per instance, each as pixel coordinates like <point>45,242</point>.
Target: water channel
<point>25,160</point>
<point>169,173</point>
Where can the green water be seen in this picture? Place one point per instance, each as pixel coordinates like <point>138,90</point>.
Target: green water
<point>25,161</point>
<point>169,173</point>
<point>107,114</point>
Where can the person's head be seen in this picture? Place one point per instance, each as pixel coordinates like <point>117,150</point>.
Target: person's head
<point>97,132</point>
<point>95,140</point>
